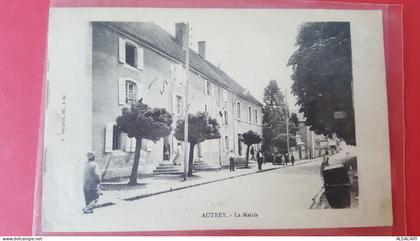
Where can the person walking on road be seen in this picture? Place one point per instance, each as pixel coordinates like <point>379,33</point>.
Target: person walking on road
<point>231,161</point>
<point>91,183</point>
<point>292,159</point>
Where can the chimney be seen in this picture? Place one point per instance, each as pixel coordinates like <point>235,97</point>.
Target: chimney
<point>202,49</point>
<point>181,33</point>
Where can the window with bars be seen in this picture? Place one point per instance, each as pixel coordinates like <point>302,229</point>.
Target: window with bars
<point>130,92</point>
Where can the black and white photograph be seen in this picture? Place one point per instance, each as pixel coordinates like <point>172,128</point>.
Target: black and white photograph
<point>215,119</point>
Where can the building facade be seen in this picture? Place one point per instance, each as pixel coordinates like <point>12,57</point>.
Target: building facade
<point>141,60</point>
<point>312,145</point>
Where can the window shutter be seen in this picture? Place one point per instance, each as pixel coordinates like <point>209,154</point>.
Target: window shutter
<point>121,92</point>
<point>126,142</point>
<point>121,50</point>
<point>179,74</point>
<point>140,58</point>
<point>212,90</point>
<point>172,70</point>
<point>109,136</point>
<point>205,87</point>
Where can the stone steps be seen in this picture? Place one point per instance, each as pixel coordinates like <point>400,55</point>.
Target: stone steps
<point>168,168</point>
<point>241,163</point>
<point>200,165</point>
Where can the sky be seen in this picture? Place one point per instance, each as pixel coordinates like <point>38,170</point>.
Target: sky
<point>252,48</point>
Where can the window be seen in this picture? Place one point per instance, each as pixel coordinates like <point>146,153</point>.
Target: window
<point>116,138</point>
<point>177,74</point>
<point>179,107</point>
<point>131,55</point>
<point>255,116</point>
<point>226,117</point>
<point>238,110</point>
<point>226,143</point>
<point>249,114</point>
<point>209,88</point>
<point>130,92</point>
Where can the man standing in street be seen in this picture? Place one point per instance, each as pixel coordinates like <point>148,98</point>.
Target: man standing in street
<point>252,153</point>
<point>231,161</point>
<point>292,159</point>
<point>260,158</point>
<point>91,182</point>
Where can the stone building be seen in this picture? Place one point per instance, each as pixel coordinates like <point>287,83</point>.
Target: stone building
<point>132,60</point>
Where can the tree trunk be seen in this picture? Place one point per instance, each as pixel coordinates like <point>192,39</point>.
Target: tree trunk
<point>247,155</point>
<point>190,160</point>
<point>134,169</point>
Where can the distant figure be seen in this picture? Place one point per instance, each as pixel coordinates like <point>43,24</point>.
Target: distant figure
<point>260,159</point>
<point>325,161</point>
<point>281,160</point>
<point>166,152</point>
<point>286,158</point>
<point>177,157</point>
<point>91,183</point>
<point>252,153</point>
<point>231,161</point>
<point>292,159</point>
<point>278,158</point>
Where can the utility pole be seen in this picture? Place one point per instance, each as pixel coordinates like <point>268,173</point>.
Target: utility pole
<point>287,124</point>
<point>186,107</point>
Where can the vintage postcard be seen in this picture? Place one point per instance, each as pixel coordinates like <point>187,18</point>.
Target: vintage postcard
<point>215,119</point>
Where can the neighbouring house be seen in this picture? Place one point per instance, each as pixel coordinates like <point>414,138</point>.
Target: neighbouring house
<point>133,60</point>
<point>312,145</point>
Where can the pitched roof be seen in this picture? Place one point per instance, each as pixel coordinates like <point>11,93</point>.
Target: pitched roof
<point>156,37</point>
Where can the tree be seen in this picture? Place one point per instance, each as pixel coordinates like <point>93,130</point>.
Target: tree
<point>280,142</point>
<point>250,138</point>
<point>293,124</point>
<point>201,127</point>
<point>274,118</point>
<point>322,78</point>
<point>142,122</point>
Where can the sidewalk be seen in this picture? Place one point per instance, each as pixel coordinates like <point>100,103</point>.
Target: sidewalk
<point>114,193</point>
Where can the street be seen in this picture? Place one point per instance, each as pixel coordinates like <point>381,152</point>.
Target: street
<point>262,194</point>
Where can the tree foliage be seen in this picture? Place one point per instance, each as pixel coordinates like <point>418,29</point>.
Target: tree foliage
<point>201,127</point>
<point>142,122</point>
<point>250,138</point>
<point>322,78</point>
<point>274,118</point>
<point>293,124</point>
<point>280,142</point>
